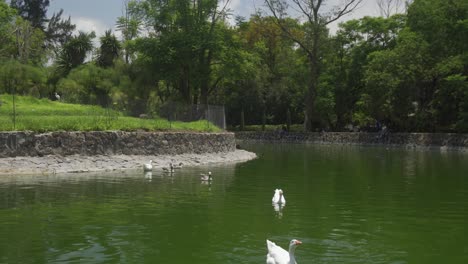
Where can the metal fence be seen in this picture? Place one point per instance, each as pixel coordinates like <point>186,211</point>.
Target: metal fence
<point>213,114</point>
<point>29,113</point>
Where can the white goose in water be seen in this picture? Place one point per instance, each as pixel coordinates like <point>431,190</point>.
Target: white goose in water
<point>277,255</point>
<point>205,177</point>
<point>148,166</point>
<point>278,197</point>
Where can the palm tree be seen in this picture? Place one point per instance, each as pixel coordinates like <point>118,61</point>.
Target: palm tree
<point>109,50</point>
<point>74,52</point>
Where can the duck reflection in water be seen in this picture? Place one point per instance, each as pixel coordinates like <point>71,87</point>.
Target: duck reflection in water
<point>149,175</point>
<point>206,179</point>
<point>208,183</point>
<point>278,209</point>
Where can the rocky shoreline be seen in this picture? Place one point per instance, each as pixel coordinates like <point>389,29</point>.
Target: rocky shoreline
<point>441,141</point>
<point>27,152</point>
<point>55,164</point>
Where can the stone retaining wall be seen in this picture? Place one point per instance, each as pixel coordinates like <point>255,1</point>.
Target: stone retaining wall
<point>360,138</point>
<point>13,144</point>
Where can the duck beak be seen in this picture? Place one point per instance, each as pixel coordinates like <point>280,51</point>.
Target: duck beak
<point>298,242</point>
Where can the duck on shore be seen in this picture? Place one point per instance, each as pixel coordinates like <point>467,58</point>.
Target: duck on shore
<point>148,166</point>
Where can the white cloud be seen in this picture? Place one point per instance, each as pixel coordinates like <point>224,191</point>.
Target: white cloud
<point>87,24</point>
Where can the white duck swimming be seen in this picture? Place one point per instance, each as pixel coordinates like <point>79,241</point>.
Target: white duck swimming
<point>278,197</point>
<point>205,177</point>
<point>277,255</point>
<point>148,166</point>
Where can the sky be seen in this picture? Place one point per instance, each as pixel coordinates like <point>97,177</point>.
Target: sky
<point>101,15</point>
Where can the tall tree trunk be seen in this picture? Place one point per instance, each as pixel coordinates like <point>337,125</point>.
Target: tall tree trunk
<point>205,64</point>
<point>263,118</point>
<point>242,120</point>
<point>310,9</point>
<point>205,77</point>
<point>184,84</point>
<point>204,92</point>
<point>310,111</point>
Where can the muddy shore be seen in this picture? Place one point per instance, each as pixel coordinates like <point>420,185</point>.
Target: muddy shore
<point>55,164</point>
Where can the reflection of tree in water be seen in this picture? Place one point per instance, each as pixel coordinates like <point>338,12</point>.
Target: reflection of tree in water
<point>410,166</point>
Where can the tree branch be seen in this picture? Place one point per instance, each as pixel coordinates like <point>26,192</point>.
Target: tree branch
<point>348,8</point>
<point>278,22</point>
<point>215,84</point>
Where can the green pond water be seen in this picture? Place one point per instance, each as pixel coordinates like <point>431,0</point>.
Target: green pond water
<point>346,204</point>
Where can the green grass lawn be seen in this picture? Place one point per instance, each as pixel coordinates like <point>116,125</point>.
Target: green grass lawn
<point>43,115</point>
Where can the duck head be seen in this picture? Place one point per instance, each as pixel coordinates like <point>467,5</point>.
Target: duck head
<point>294,243</point>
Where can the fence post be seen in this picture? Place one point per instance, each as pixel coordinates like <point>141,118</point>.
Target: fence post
<point>170,120</point>
<point>208,116</point>
<point>263,119</point>
<point>224,118</point>
<point>14,109</point>
<point>242,121</point>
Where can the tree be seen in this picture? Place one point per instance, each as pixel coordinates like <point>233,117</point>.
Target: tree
<point>90,84</point>
<point>109,50</point>
<point>388,8</point>
<point>58,30</point>
<point>185,42</point>
<point>351,46</point>
<point>7,41</point>
<point>309,38</point>
<point>444,26</point>
<point>19,78</point>
<point>441,23</point>
<point>74,52</point>
<point>28,42</point>
<point>211,49</point>
<point>418,83</point>
<point>34,11</point>
<point>130,25</point>
<point>395,81</point>
<point>278,86</point>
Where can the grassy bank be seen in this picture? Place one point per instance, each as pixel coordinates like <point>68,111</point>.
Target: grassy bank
<point>43,115</point>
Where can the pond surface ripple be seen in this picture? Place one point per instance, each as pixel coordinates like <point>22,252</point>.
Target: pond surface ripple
<point>346,204</point>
